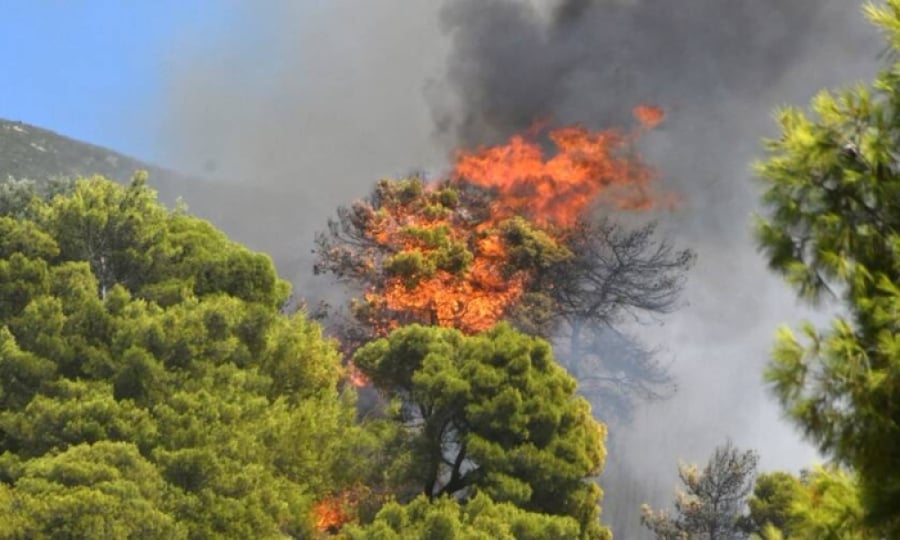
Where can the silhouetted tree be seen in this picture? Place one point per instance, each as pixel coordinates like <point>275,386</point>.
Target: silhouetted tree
<point>712,503</point>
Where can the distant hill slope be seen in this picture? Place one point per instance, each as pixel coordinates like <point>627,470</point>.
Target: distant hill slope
<point>261,218</point>
<point>32,152</point>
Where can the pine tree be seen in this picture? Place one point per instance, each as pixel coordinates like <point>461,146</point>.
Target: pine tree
<point>832,229</point>
<point>711,505</point>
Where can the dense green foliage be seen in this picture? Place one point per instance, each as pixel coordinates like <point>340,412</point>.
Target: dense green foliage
<point>478,519</point>
<point>153,386</point>
<point>820,504</point>
<point>150,386</point>
<point>833,226</point>
<point>771,502</point>
<point>491,413</point>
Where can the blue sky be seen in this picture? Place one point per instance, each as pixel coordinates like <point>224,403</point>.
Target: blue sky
<point>95,70</point>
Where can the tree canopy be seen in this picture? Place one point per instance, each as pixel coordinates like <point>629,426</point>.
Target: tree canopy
<point>832,228</point>
<point>150,384</point>
<point>822,503</point>
<point>494,414</point>
<point>447,519</point>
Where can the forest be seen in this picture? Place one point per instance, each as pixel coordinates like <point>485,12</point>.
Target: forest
<point>161,380</point>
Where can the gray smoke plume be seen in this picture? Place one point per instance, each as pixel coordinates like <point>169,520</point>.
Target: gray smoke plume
<point>308,103</point>
<point>311,102</point>
<point>718,69</point>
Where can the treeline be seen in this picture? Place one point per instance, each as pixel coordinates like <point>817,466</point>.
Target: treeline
<point>155,385</point>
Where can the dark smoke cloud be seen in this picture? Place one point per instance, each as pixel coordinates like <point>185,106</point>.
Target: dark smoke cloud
<point>308,103</point>
<point>511,62</point>
<point>711,64</point>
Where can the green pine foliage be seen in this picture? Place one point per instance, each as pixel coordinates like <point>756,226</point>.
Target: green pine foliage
<point>822,503</point>
<point>153,386</point>
<point>478,519</point>
<point>771,504</point>
<point>494,414</point>
<point>833,228</point>
<point>150,384</point>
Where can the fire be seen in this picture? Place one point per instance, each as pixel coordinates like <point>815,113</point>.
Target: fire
<point>585,168</point>
<point>473,303</point>
<point>471,297</point>
<point>332,513</point>
<point>435,254</point>
<point>356,377</point>
<point>648,116</point>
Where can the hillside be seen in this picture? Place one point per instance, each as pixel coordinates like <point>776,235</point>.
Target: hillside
<point>39,154</point>
<point>31,152</point>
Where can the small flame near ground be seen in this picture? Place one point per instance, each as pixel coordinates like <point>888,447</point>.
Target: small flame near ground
<point>333,512</point>
<point>355,377</point>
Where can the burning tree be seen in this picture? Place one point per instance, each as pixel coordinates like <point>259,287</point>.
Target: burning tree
<point>508,235</point>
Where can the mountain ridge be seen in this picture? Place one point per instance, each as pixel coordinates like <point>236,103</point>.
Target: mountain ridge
<point>257,216</point>
<point>36,153</point>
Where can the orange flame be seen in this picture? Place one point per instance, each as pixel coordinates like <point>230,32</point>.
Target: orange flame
<point>552,190</point>
<point>356,377</point>
<point>648,116</point>
<point>332,512</point>
<point>587,167</point>
<point>473,301</point>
